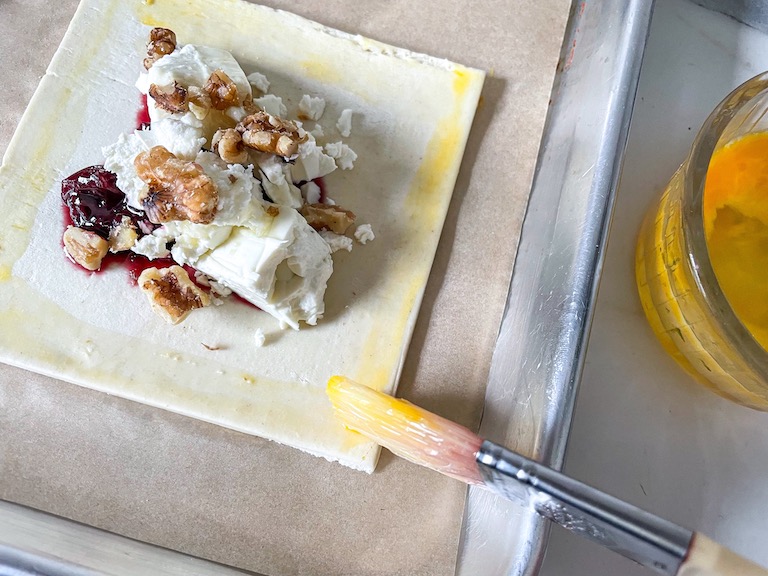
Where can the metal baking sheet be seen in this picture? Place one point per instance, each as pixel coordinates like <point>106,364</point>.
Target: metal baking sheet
<point>539,353</point>
<point>538,356</point>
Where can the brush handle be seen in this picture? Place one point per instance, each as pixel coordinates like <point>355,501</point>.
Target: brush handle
<point>708,558</point>
<point>627,530</point>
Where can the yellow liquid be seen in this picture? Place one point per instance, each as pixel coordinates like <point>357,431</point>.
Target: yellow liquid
<point>736,225</point>
<point>673,304</point>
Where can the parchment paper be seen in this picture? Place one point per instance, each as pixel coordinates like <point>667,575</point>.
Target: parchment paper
<point>243,501</point>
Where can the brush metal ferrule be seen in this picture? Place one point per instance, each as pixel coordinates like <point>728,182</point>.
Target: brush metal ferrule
<point>641,536</point>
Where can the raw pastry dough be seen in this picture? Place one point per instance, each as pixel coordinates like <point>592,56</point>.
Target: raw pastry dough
<point>412,118</point>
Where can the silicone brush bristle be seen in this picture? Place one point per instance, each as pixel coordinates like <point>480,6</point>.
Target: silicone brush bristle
<point>407,430</point>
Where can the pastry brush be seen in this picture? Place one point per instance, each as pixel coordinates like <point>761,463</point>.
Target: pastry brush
<point>444,446</point>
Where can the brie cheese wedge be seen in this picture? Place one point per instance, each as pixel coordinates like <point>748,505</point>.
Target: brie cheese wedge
<point>273,259</point>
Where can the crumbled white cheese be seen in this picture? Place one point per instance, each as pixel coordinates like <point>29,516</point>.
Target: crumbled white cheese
<point>336,242</point>
<point>151,246</point>
<point>259,81</point>
<point>237,113</point>
<point>239,192</point>
<point>364,233</point>
<point>202,279</point>
<point>343,154</point>
<point>219,289</point>
<point>311,193</point>
<point>118,158</point>
<point>311,107</point>
<point>311,162</point>
<point>259,338</point>
<point>317,131</point>
<point>216,301</point>
<point>277,181</point>
<point>344,123</point>
<point>184,137</point>
<point>272,104</point>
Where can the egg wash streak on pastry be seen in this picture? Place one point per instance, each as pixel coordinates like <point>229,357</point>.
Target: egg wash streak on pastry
<point>60,345</point>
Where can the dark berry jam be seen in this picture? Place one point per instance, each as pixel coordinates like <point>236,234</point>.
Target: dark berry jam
<point>321,184</point>
<point>96,203</point>
<point>142,116</point>
<point>67,216</point>
<point>114,260</point>
<point>136,264</point>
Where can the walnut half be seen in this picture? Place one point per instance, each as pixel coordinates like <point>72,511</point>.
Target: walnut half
<point>161,42</point>
<point>229,145</point>
<point>85,247</point>
<point>171,293</point>
<point>325,217</point>
<point>221,90</point>
<point>271,134</point>
<point>122,235</point>
<point>177,189</point>
<point>173,100</point>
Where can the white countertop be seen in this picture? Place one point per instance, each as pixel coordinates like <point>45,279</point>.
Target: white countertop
<point>643,429</point>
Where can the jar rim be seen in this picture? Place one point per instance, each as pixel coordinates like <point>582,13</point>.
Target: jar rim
<point>700,266</point>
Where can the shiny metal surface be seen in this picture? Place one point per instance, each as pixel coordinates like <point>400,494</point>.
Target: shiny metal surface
<point>33,543</point>
<point>627,530</point>
<point>540,349</point>
<point>752,13</point>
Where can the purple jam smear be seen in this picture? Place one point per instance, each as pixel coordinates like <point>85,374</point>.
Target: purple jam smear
<point>142,116</point>
<point>321,184</point>
<point>96,203</point>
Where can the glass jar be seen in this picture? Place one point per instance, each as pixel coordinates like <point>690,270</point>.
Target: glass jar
<point>682,299</point>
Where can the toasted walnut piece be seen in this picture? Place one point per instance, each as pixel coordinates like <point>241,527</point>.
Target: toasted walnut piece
<point>177,189</point>
<point>171,293</point>
<point>250,106</point>
<point>122,236</point>
<point>85,247</point>
<point>260,140</point>
<point>172,101</point>
<point>221,90</point>
<point>199,97</point>
<point>271,134</point>
<point>199,102</point>
<point>229,145</point>
<point>161,42</point>
<point>324,217</point>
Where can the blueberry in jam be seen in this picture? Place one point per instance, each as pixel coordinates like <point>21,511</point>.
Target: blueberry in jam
<point>96,203</point>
